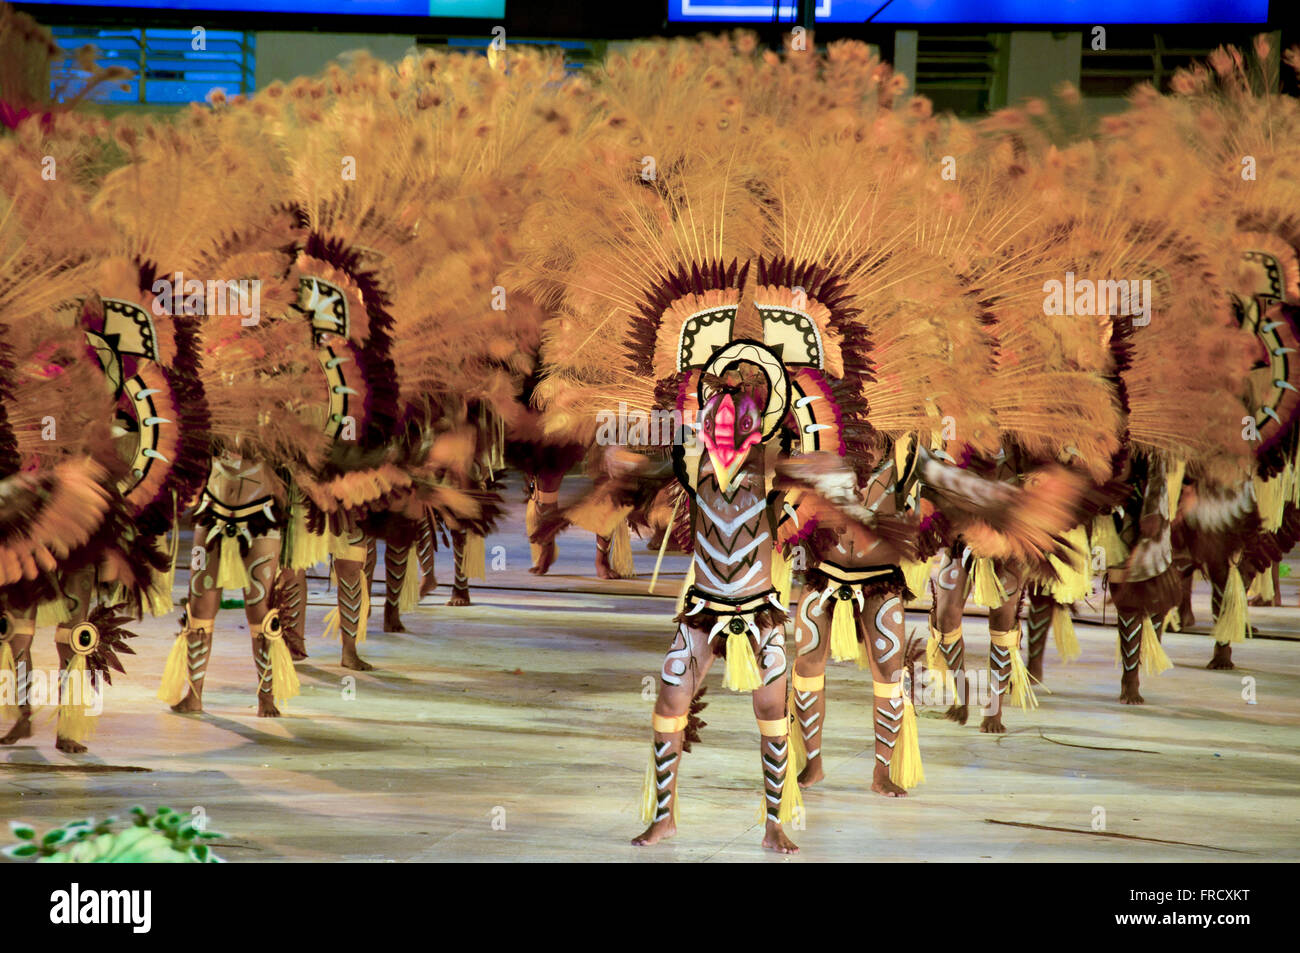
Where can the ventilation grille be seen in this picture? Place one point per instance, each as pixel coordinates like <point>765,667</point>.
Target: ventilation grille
<point>959,73</point>
<point>166,67</point>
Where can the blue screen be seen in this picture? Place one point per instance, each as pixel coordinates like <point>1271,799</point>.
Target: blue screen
<point>1103,12</point>
<point>485,9</point>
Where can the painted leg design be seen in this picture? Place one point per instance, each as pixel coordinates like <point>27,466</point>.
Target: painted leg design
<point>354,611</point>
<point>425,550</point>
<point>275,675</point>
<point>897,753</point>
<point>1222,656</point>
<point>1038,622</point>
<point>395,570</point>
<point>1130,658</point>
<point>949,589</point>
<point>812,645</point>
<point>687,662</point>
<point>292,586</point>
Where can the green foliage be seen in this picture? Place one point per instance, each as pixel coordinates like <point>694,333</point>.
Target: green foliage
<point>163,838</point>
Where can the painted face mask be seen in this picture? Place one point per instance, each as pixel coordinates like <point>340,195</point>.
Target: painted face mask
<point>731,422</point>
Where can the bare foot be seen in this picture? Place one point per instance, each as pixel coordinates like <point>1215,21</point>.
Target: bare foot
<point>355,662</point>
<point>957,713</point>
<point>992,725</point>
<point>1128,693</point>
<point>659,830</point>
<point>545,559</point>
<point>812,773</point>
<point>22,729</point>
<point>460,597</point>
<point>266,707</point>
<point>1222,657</point>
<point>297,649</point>
<point>67,746</point>
<point>393,621</point>
<point>603,571</point>
<point>1186,619</point>
<point>190,703</point>
<point>881,784</point>
<point>774,839</point>
<point>427,585</point>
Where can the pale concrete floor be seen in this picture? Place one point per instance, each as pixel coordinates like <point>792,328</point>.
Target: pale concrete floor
<point>517,729</point>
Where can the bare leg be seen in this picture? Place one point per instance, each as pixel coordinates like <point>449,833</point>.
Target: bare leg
<point>460,576</point>
<point>1038,621</point>
<point>949,589</point>
<point>395,569</point>
<point>881,628</point>
<point>353,604</point>
<point>260,564</point>
<point>603,571</point>
<point>200,619</point>
<point>1004,622</point>
<point>546,493</point>
<point>812,639</point>
<point>22,632</point>
<point>424,547</point>
<point>1222,656</point>
<point>292,585</point>
<point>1130,658</point>
<point>79,588</point>
<point>687,662</point>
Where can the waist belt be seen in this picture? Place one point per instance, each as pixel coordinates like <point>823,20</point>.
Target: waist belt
<point>698,600</point>
<point>846,576</point>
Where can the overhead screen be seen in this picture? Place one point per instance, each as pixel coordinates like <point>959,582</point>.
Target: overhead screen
<point>482,9</point>
<point>1104,12</point>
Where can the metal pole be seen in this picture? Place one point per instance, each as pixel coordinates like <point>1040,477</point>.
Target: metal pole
<point>806,14</point>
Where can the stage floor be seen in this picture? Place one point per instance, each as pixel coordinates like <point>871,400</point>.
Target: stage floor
<point>517,729</point>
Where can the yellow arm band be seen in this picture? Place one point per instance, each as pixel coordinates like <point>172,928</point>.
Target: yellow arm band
<point>947,638</point>
<point>813,683</point>
<point>887,689</point>
<point>778,728</point>
<point>1005,640</point>
<point>669,724</point>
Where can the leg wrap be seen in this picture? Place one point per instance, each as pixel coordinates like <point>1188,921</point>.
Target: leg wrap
<point>809,711</point>
<point>1007,669</point>
<point>187,665</point>
<point>1038,620</point>
<point>659,796</point>
<point>781,796</point>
